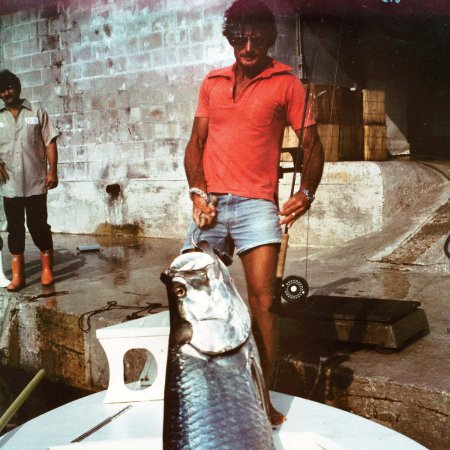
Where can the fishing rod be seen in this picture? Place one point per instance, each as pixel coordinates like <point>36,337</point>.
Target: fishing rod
<point>293,288</point>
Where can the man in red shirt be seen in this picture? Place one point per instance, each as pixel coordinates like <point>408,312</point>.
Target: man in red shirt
<point>234,153</point>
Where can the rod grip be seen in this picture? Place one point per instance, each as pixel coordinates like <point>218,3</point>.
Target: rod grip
<point>282,255</point>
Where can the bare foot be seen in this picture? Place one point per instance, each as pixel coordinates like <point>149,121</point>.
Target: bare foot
<point>276,418</point>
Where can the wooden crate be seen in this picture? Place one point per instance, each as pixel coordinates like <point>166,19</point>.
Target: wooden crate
<point>325,103</point>
<point>351,143</point>
<point>329,136</point>
<point>350,103</point>
<point>373,107</point>
<point>351,124</point>
<point>375,142</point>
<point>337,105</point>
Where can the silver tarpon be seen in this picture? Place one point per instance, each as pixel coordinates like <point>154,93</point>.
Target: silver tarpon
<point>214,393</point>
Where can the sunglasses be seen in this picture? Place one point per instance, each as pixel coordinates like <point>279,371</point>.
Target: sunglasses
<point>241,41</point>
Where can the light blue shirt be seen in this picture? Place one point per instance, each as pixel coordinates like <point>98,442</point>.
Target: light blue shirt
<point>22,149</point>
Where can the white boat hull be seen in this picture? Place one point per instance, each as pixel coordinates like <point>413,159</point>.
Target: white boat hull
<point>309,426</point>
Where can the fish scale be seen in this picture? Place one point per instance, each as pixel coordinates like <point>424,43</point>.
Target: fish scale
<point>212,404</point>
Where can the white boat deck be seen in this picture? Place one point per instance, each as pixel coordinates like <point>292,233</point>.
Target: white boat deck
<point>310,425</point>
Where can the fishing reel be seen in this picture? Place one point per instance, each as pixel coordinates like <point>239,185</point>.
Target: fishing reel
<point>294,289</point>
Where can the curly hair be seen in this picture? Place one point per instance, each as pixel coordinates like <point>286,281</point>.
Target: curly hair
<point>249,12</point>
<point>8,79</point>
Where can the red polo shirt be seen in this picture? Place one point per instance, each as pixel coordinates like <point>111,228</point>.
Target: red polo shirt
<point>242,150</point>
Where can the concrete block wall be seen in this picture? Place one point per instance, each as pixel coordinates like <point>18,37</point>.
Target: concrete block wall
<point>120,80</point>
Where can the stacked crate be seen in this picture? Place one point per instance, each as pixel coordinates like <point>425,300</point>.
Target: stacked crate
<point>351,123</point>
<point>374,123</point>
<point>326,113</point>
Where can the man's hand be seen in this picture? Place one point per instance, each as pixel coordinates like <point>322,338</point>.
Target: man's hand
<point>51,181</point>
<point>4,177</point>
<point>203,212</point>
<point>294,208</point>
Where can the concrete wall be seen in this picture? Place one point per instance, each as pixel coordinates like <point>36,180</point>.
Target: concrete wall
<point>120,80</point>
<point>359,197</point>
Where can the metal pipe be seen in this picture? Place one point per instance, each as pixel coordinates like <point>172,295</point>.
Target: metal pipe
<point>88,248</point>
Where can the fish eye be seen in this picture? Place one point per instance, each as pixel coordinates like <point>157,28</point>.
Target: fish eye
<point>179,290</point>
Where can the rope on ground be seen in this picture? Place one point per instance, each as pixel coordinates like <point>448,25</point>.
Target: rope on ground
<point>35,298</point>
<point>139,311</point>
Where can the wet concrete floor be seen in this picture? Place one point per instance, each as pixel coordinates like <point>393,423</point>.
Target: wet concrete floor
<point>125,270</point>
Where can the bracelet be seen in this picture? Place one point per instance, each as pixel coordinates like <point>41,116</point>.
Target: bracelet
<point>209,198</point>
<point>200,193</point>
<point>308,194</point>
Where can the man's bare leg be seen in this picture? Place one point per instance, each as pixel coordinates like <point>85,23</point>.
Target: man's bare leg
<point>260,266</point>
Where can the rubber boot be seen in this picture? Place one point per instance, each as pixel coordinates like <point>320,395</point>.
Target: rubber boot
<point>47,278</point>
<point>18,271</point>
<point>3,280</point>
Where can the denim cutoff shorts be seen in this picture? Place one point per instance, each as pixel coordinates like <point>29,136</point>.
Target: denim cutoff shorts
<point>240,224</point>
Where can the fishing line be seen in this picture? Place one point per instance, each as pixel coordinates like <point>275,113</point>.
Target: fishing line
<point>307,245</point>
<point>329,122</point>
<point>337,66</point>
<point>289,359</point>
<point>223,255</point>
<point>193,240</point>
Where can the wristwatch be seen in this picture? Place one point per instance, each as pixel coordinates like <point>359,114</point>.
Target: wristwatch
<point>308,194</point>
